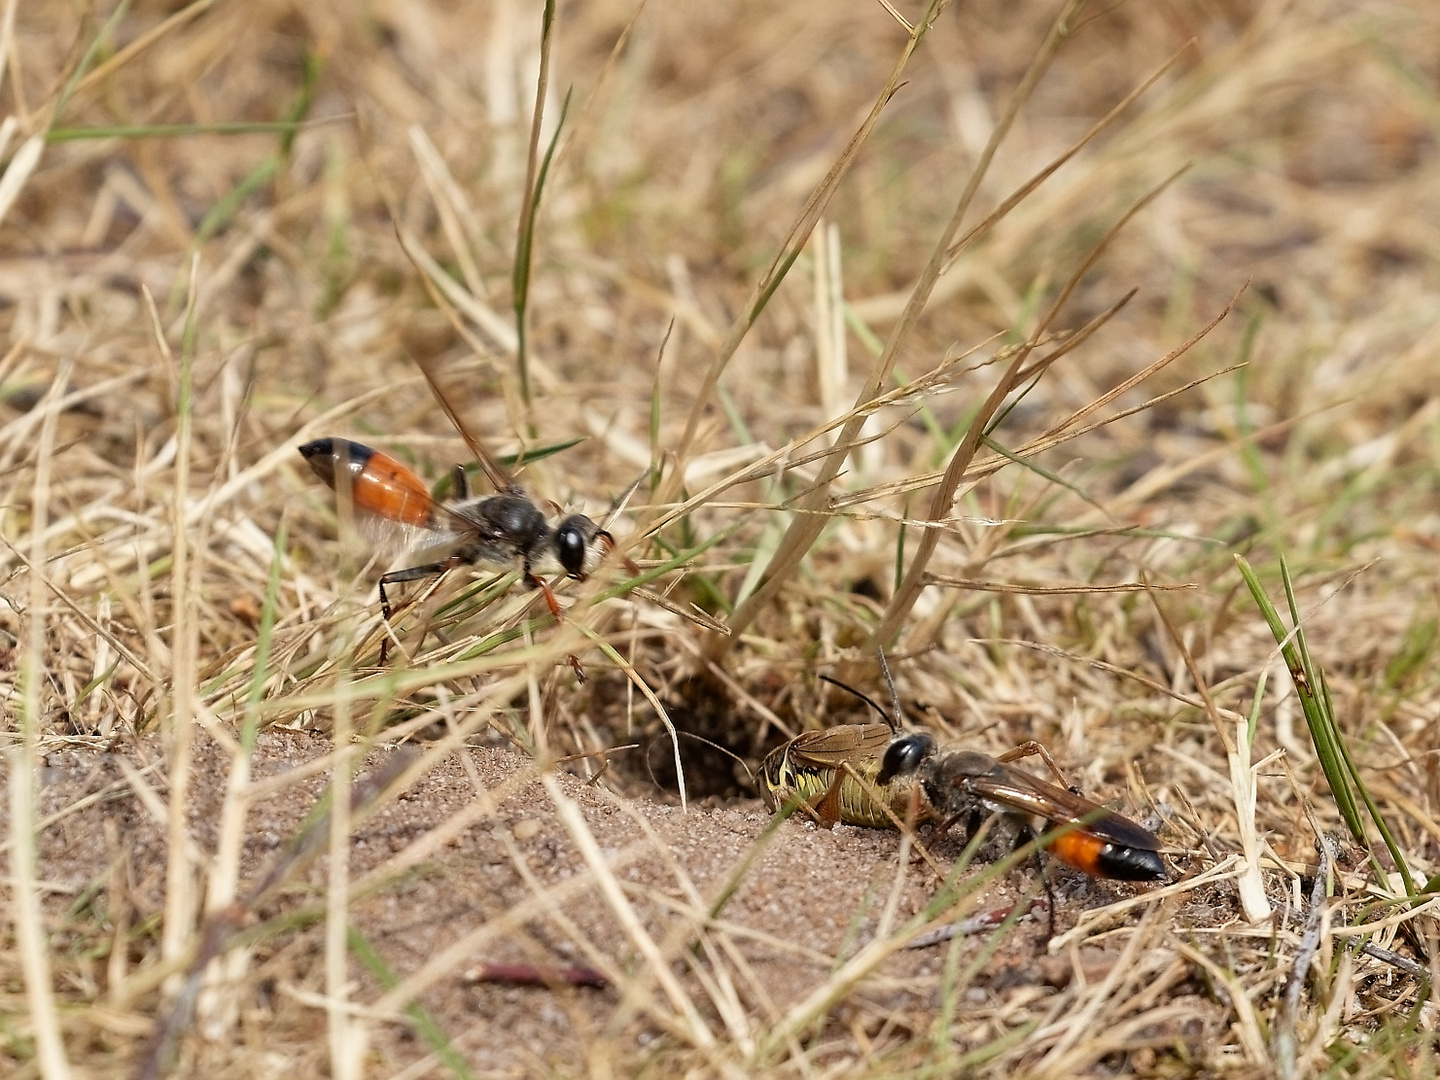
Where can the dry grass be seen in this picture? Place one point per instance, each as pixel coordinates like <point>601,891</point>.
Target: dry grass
<point>897,405</point>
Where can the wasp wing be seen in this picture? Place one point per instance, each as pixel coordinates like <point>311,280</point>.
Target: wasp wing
<point>1018,790</point>
<point>497,474</point>
<point>398,542</point>
<point>380,496</point>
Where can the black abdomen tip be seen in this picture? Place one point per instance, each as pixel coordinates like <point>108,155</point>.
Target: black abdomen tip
<point>1131,864</point>
<point>323,455</point>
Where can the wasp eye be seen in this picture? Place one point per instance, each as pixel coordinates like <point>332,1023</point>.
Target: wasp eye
<point>570,545</point>
<point>904,756</point>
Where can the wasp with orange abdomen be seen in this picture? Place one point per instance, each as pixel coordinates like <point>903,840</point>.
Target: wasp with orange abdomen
<point>508,528</point>
<point>496,529</point>
<point>966,784</point>
<point>877,775</point>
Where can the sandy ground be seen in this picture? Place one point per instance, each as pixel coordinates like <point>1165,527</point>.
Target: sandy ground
<point>813,898</point>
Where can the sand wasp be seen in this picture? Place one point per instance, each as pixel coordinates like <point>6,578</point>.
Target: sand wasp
<point>966,784</point>
<point>824,770</point>
<point>500,530</point>
<point>394,509</point>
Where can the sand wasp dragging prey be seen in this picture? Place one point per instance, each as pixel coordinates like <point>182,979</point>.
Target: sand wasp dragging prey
<point>836,774</point>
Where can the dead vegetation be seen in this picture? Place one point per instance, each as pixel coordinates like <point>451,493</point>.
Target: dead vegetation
<point>992,344</point>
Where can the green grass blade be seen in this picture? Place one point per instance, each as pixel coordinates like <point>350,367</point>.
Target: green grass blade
<point>1331,750</point>
<point>425,1025</point>
<point>106,33</point>
<point>225,209</point>
<point>525,242</point>
<point>1327,710</point>
<point>173,131</point>
<point>530,455</point>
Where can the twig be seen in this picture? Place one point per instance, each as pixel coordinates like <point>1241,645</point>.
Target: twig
<point>1304,955</point>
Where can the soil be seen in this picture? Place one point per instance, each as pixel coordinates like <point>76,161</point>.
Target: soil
<point>814,895</point>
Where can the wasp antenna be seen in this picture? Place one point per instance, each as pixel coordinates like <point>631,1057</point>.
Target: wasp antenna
<point>502,479</point>
<point>750,773</point>
<point>616,509</point>
<point>618,506</point>
<point>894,694</point>
<point>868,701</point>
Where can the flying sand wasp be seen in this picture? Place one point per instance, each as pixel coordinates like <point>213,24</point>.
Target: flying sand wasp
<point>836,774</point>
<point>394,508</point>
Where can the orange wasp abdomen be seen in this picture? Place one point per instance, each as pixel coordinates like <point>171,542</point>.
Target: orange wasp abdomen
<point>1081,850</point>
<point>1101,857</point>
<point>379,485</point>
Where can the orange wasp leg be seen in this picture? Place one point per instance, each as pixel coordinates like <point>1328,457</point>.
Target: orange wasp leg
<point>1035,749</point>
<point>535,581</point>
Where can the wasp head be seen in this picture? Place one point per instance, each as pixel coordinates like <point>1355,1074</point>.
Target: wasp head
<point>904,756</point>
<point>580,544</point>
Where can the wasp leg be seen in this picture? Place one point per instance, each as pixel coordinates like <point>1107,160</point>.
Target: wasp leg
<point>1023,836</point>
<point>461,483</point>
<point>973,818</point>
<point>396,577</point>
<point>535,581</point>
<point>576,666</point>
<point>1034,749</point>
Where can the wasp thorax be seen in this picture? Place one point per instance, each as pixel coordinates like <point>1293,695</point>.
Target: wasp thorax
<point>513,515</point>
<point>958,766</point>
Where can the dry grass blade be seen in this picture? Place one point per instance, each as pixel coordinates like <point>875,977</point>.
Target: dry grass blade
<point>133,49</point>
<point>944,498</point>
<point>220,931</point>
<point>18,171</point>
<point>614,896</point>
<point>806,528</point>
<point>1285,1035</point>
<point>1242,774</point>
<point>181,884</point>
<point>1074,1051</point>
<point>799,235</point>
<point>786,458</point>
<point>22,766</point>
<point>1044,590</point>
<point>1106,121</point>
